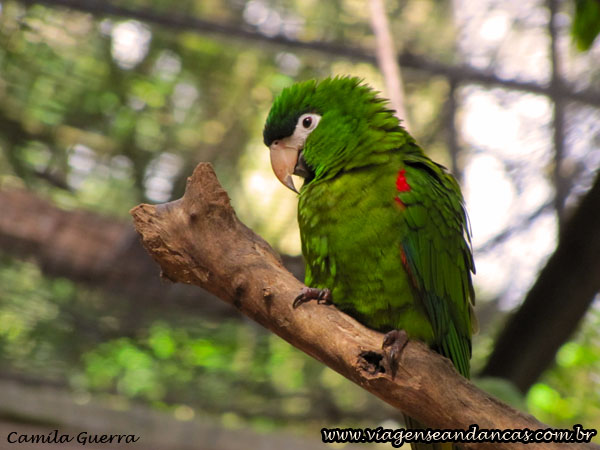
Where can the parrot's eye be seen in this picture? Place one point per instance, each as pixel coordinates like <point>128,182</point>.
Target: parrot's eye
<point>307,123</point>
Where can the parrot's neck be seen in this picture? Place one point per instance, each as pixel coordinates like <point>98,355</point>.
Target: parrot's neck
<point>375,147</point>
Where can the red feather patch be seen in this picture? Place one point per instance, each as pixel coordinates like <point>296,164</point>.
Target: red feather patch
<point>401,183</point>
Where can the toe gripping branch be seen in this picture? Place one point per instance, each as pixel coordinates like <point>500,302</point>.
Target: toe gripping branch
<point>386,361</point>
<point>393,344</point>
<point>322,296</point>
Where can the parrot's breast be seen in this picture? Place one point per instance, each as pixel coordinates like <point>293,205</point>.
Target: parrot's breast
<point>351,228</point>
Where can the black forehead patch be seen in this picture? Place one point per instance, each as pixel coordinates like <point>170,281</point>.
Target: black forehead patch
<point>279,129</point>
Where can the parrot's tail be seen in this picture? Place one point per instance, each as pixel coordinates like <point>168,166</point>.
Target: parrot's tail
<point>412,424</point>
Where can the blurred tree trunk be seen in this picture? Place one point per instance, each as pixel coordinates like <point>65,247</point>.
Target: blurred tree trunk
<point>557,302</point>
<point>89,248</point>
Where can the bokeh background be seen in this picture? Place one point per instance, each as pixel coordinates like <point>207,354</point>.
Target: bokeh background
<point>106,104</point>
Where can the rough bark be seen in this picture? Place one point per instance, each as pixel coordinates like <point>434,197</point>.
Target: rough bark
<point>556,303</point>
<point>199,240</point>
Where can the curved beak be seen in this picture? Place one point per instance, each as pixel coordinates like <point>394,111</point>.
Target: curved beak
<point>284,158</point>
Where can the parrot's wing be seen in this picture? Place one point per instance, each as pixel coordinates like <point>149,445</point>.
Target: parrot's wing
<point>436,252</point>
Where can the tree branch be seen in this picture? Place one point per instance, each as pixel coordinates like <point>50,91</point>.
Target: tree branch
<point>182,22</point>
<point>93,249</point>
<point>561,183</point>
<point>387,60</point>
<point>199,240</point>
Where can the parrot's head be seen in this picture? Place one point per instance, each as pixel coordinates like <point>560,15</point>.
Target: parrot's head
<point>318,129</point>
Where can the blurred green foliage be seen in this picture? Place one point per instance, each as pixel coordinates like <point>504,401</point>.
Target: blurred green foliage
<point>52,329</point>
<point>568,393</point>
<point>585,26</point>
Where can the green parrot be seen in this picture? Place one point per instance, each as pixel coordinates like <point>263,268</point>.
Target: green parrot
<point>384,229</point>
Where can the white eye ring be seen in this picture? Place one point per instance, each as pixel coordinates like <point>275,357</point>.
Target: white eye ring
<point>305,125</point>
<point>308,122</point>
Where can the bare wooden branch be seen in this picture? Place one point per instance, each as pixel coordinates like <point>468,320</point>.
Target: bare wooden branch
<point>199,240</point>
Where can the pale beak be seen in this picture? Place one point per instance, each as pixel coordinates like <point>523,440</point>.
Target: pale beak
<point>284,158</point>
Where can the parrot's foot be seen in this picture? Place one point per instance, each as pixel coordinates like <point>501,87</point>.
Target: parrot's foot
<point>393,345</point>
<point>307,294</point>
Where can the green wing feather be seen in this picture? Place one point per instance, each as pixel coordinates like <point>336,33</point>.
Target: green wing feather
<point>438,257</point>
